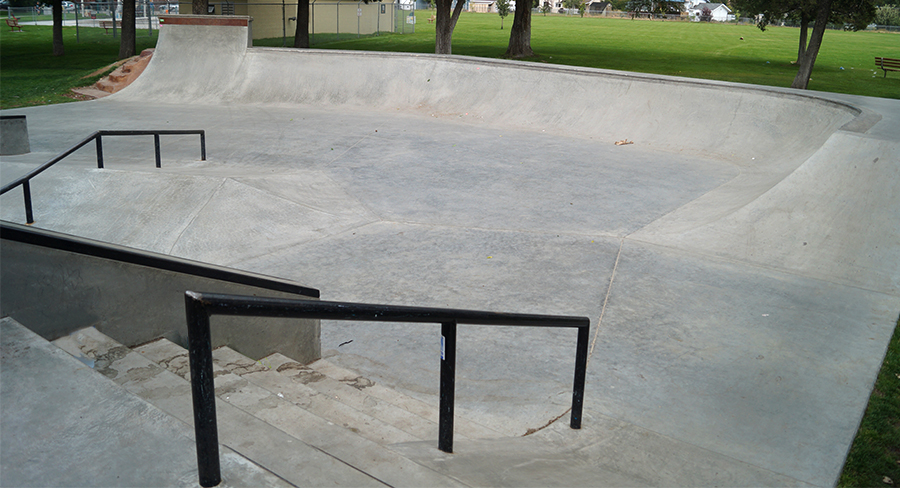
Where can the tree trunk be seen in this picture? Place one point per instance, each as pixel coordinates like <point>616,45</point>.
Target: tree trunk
<point>127,41</point>
<point>444,23</point>
<point>200,7</point>
<point>815,42</point>
<point>804,28</point>
<point>520,32</point>
<point>301,35</point>
<point>58,49</point>
<point>442,32</point>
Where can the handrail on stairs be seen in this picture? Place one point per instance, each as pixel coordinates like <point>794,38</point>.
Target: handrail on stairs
<point>200,306</point>
<point>97,136</point>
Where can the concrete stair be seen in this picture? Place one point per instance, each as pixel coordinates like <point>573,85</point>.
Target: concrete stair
<point>125,74</point>
<point>276,411</point>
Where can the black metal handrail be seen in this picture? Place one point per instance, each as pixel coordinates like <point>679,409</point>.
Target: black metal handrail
<point>24,181</point>
<point>200,306</point>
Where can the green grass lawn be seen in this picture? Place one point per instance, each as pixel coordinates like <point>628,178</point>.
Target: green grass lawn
<point>875,454</point>
<point>696,50</point>
<point>31,75</point>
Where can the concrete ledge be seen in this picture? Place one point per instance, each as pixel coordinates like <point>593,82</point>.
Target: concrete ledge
<point>136,296</point>
<point>14,135</point>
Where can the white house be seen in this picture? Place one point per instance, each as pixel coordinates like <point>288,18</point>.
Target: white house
<point>720,11</point>
<point>598,7</point>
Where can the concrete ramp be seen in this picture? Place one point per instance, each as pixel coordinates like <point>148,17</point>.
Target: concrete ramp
<point>743,124</point>
<point>834,218</point>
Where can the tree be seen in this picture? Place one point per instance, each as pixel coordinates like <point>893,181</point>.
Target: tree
<point>887,15</point>
<point>301,32</point>
<point>502,10</point>
<point>445,22</point>
<point>855,14</point>
<point>520,33</point>
<point>545,8</point>
<point>650,7</point>
<point>705,15</point>
<point>127,44</point>
<point>575,4</point>
<point>58,49</point>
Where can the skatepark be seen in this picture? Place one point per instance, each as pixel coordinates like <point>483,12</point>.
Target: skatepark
<point>739,260</point>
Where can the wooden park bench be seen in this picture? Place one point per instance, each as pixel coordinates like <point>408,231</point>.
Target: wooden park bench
<point>108,24</point>
<point>13,24</point>
<point>887,64</point>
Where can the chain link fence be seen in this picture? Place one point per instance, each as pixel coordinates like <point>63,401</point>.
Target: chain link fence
<point>328,20</point>
<point>275,22</point>
<point>93,20</point>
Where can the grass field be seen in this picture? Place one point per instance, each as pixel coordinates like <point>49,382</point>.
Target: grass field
<point>31,75</point>
<point>875,455</point>
<point>697,50</point>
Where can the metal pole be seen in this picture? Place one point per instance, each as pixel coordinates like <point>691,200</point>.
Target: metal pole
<point>99,151</point>
<point>156,146</point>
<point>26,190</point>
<point>448,386</point>
<point>203,392</point>
<point>202,145</point>
<point>581,354</point>
<point>283,26</point>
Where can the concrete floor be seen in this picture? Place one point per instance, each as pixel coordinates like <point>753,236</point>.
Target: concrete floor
<point>741,307</point>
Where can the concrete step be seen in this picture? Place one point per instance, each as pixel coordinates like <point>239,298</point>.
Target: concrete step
<point>247,416</point>
<point>65,425</point>
<point>286,411</point>
<point>339,403</point>
<point>230,365</point>
<point>466,424</point>
<point>280,373</point>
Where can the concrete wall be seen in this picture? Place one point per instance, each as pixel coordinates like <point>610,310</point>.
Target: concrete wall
<point>55,292</point>
<point>206,64</point>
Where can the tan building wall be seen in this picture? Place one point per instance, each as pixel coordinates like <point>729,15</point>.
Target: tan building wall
<point>347,17</point>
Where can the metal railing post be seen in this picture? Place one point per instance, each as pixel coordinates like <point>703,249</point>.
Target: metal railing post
<point>156,146</point>
<point>26,191</point>
<point>203,392</point>
<point>581,355</point>
<point>448,386</point>
<point>202,145</point>
<point>99,151</point>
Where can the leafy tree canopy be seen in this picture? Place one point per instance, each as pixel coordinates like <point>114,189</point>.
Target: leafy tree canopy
<point>655,6</point>
<point>854,14</point>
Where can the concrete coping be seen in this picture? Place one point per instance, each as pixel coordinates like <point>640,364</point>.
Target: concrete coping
<point>218,20</point>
